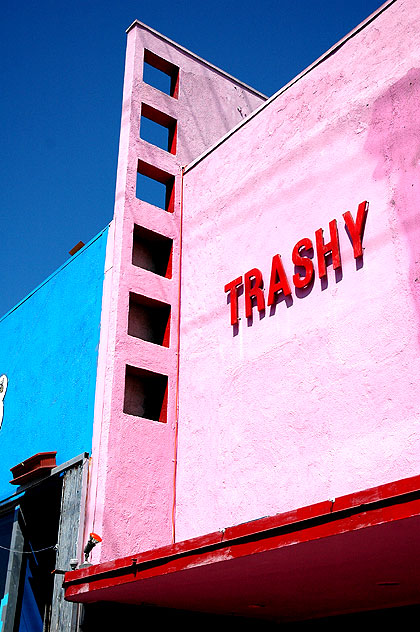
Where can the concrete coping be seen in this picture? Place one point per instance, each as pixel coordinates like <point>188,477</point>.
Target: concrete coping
<point>139,24</point>
<point>302,74</point>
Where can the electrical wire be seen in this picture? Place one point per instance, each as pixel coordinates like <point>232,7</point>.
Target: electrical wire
<point>54,546</point>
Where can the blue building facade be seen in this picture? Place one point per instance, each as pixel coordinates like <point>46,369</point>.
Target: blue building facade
<point>48,351</point>
<point>48,366</point>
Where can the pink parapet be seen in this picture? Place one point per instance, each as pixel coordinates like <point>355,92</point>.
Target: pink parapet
<point>131,496</point>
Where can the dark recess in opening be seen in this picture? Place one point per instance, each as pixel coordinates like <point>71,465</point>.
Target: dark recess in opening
<point>40,514</point>
<point>152,251</point>
<point>161,74</point>
<point>149,319</point>
<point>155,186</point>
<point>109,616</point>
<point>158,128</point>
<point>146,394</point>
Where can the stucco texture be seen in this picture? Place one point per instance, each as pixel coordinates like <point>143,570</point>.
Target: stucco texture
<point>319,396</point>
<point>131,489</point>
<point>48,351</point>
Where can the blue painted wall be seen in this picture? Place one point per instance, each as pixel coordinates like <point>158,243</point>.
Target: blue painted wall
<point>49,350</point>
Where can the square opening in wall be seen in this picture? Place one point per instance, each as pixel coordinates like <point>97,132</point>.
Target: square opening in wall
<point>158,128</point>
<point>149,319</point>
<point>146,394</point>
<point>152,251</point>
<point>160,74</point>
<point>155,186</point>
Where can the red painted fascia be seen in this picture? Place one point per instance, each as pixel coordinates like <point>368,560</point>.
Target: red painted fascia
<point>378,505</point>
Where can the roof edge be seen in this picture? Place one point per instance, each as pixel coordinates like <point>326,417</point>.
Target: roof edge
<point>288,85</point>
<point>388,502</point>
<point>139,24</point>
<point>53,274</point>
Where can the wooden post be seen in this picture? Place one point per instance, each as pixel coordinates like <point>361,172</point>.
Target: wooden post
<point>14,570</point>
<point>64,614</point>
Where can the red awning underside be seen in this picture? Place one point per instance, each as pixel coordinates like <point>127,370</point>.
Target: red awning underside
<point>359,553</point>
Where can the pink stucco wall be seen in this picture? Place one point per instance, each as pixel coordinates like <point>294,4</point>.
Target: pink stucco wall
<point>320,396</point>
<point>131,488</point>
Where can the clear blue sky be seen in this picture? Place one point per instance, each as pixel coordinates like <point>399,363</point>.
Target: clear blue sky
<point>61,75</point>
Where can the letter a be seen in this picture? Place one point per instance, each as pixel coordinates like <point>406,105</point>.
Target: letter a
<point>280,285</point>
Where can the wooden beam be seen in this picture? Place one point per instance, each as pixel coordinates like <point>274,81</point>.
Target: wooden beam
<point>14,570</point>
<point>64,615</point>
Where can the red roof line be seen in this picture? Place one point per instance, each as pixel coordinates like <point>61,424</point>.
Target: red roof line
<point>352,511</point>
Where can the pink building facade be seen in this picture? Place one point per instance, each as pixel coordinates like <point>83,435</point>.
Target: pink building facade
<point>259,352</point>
<point>133,457</point>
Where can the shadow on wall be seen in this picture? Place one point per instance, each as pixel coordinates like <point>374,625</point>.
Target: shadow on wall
<point>394,140</point>
<point>108,617</point>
